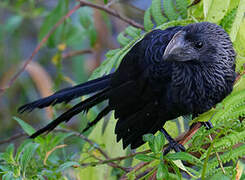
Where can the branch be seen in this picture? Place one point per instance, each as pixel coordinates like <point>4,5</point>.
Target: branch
<point>82,3</point>
<point>239,75</point>
<point>13,79</point>
<point>112,164</point>
<point>117,159</point>
<point>76,53</point>
<point>110,3</point>
<point>184,138</point>
<point>111,12</point>
<point>14,137</point>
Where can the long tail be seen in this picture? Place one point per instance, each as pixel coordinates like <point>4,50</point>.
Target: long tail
<point>67,94</point>
<point>100,85</point>
<point>82,106</point>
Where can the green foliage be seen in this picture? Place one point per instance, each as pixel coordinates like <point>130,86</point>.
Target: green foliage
<point>156,11</point>
<point>28,162</point>
<point>228,19</point>
<point>26,127</point>
<point>171,11</point>
<point>215,10</point>
<point>148,24</point>
<point>238,20</point>
<point>181,6</point>
<point>50,20</point>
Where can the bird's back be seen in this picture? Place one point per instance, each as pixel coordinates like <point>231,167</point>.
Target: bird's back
<point>140,94</point>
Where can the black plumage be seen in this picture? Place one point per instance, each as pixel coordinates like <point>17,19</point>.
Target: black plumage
<point>177,71</point>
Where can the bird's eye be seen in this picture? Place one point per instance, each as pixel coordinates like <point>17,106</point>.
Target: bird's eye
<point>198,44</point>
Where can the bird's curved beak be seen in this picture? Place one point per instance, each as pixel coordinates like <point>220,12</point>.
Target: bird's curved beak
<point>175,50</point>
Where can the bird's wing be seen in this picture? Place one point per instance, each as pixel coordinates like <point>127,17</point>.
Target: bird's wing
<point>136,104</point>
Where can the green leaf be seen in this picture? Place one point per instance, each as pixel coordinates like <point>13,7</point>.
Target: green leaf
<point>238,20</point>
<point>184,156</point>
<point>158,142</point>
<point>156,12</point>
<point>219,176</point>
<point>53,17</point>
<point>40,177</point>
<point>148,25</point>
<point>216,9</point>
<point>169,10</point>
<point>228,20</point>
<point>21,148</point>
<point>162,172</point>
<point>105,1</point>
<point>176,169</point>
<point>240,84</point>
<point>175,23</point>
<point>8,176</point>
<point>150,139</point>
<point>123,41</point>
<point>182,5</point>
<point>67,165</point>
<point>26,127</point>
<point>133,32</point>
<point>27,155</point>
<point>145,158</point>
<point>180,165</point>
<point>92,35</point>
<point>8,155</point>
<point>59,138</point>
<point>204,116</point>
<point>10,149</point>
<point>12,24</point>
<point>6,168</point>
<point>206,6</point>
<point>85,17</point>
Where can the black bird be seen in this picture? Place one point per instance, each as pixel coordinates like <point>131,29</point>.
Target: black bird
<point>169,73</point>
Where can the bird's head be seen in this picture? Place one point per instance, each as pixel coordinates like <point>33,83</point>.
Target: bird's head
<point>200,42</point>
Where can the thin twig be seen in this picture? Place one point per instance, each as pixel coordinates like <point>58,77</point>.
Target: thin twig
<point>218,157</point>
<point>110,161</point>
<point>126,157</point>
<point>12,138</point>
<point>112,164</point>
<point>140,165</point>
<point>183,139</point>
<point>76,53</point>
<point>189,134</point>
<point>111,12</point>
<point>13,79</point>
<point>51,151</point>
<point>116,159</point>
<point>239,76</point>
<point>82,3</point>
<point>110,3</point>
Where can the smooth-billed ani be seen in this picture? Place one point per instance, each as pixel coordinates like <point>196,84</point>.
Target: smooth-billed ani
<point>177,71</point>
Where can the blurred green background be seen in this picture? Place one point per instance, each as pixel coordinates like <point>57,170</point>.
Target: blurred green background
<point>23,23</point>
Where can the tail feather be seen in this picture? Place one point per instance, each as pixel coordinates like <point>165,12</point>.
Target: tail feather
<point>82,106</point>
<point>67,94</point>
<point>103,113</point>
